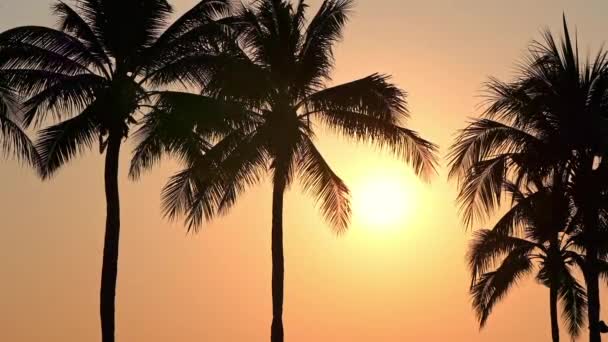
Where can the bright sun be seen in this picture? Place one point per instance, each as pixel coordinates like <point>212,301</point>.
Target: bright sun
<point>384,199</point>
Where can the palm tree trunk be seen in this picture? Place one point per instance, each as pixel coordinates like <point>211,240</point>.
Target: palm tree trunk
<point>592,273</point>
<point>554,317</point>
<point>591,207</point>
<point>278,266</point>
<point>110,251</point>
<point>593,295</point>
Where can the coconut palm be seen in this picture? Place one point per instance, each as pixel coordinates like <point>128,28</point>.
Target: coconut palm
<point>532,235</point>
<point>550,120</point>
<point>279,70</point>
<point>94,75</point>
<point>13,140</point>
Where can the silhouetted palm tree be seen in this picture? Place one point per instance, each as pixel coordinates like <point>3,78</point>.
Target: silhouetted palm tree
<point>13,140</point>
<point>534,232</point>
<point>94,74</point>
<point>279,70</point>
<point>551,119</point>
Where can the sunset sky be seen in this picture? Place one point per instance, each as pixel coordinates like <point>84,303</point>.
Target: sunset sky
<point>400,277</point>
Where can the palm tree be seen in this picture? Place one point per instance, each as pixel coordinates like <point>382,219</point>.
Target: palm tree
<point>278,70</point>
<point>95,75</point>
<point>550,120</point>
<point>13,140</point>
<point>534,232</point>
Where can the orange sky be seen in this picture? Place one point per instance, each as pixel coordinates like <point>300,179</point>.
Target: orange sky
<point>405,282</point>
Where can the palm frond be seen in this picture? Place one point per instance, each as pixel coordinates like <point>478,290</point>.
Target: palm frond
<point>160,134</point>
<point>488,246</point>
<point>299,16</point>
<point>126,29</point>
<point>518,105</point>
<point>71,22</point>
<point>493,286</point>
<point>373,95</point>
<point>242,169</point>
<point>482,188</point>
<point>59,143</point>
<point>485,138</point>
<point>251,34</point>
<point>239,78</point>
<point>59,95</point>
<point>184,123</point>
<point>23,56</point>
<point>574,303</point>
<point>208,115</point>
<point>319,179</point>
<point>213,180</point>
<point>53,42</point>
<point>520,214</point>
<point>201,14</point>
<point>402,142</point>
<point>316,57</point>
<point>178,197</point>
<point>193,39</point>
<point>14,141</point>
<point>187,70</point>
<point>480,160</point>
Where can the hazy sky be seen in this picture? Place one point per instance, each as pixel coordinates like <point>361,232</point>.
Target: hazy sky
<point>405,282</point>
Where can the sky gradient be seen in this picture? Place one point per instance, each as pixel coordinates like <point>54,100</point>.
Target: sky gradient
<point>400,282</point>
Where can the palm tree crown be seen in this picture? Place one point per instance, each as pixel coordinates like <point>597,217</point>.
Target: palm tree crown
<point>534,234</point>
<point>104,63</point>
<point>552,117</point>
<point>278,71</point>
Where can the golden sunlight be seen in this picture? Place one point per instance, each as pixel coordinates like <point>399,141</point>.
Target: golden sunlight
<point>385,198</point>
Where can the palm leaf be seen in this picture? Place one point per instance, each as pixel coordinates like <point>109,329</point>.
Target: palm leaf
<point>62,97</point>
<point>574,303</point>
<point>182,124</point>
<point>23,56</point>
<point>485,138</point>
<point>214,179</point>
<point>126,29</point>
<point>13,140</point>
<point>59,143</point>
<point>55,42</point>
<point>402,142</point>
<point>488,246</point>
<point>71,22</point>
<point>373,96</point>
<point>493,286</point>
<point>316,57</point>
<point>201,14</point>
<point>319,179</point>
<point>237,77</point>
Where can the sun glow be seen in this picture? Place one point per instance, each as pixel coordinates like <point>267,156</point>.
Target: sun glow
<point>385,199</point>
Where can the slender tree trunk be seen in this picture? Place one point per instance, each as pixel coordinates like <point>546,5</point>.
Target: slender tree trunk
<point>593,295</point>
<point>278,266</point>
<point>554,315</point>
<point>110,251</point>
<point>592,270</point>
<point>590,207</point>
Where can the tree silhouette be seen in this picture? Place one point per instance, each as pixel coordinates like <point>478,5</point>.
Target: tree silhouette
<point>278,71</point>
<point>534,233</point>
<point>96,75</point>
<point>550,120</point>
<point>13,140</point>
